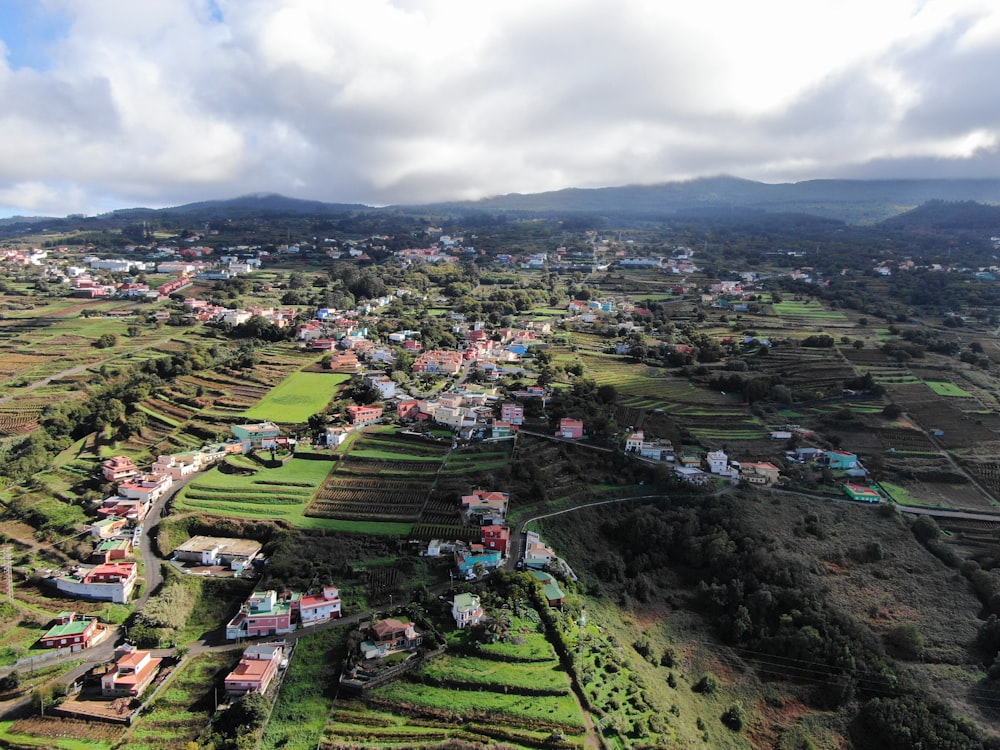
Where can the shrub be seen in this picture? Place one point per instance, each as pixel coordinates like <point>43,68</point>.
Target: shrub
<point>733,718</point>
<point>707,685</point>
<point>907,639</point>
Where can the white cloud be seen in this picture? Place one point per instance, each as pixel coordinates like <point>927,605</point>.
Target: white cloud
<point>377,101</point>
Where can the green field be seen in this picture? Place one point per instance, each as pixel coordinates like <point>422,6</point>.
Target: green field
<point>281,494</point>
<point>811,310</point>
<point>947,388</point>
<point>298,397</point>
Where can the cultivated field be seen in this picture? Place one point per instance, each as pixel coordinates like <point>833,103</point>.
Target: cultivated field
<point>297,398</point>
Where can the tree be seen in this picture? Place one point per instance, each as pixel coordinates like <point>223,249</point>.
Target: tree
<point>106,341</point>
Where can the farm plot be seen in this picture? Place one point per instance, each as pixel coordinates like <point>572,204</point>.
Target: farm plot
<point>807,310</point>
<point>281,493</point>
<point>987,473</point>
<point>384,477</point>
<point>182,710</point>
<point>947,388</point>
<point>935,413</point>
<point>298,397</point>
<point>518,696</point>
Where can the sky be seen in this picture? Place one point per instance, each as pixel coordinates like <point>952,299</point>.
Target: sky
<point>109,104</point>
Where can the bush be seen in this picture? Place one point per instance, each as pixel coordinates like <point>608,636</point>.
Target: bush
<point>906,639</point>
<point>707,685</point>
<point>733,718</point>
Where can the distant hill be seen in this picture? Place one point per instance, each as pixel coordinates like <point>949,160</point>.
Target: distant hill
<point>246,205</point>
<point>853,201</point>
<point>940,215</point>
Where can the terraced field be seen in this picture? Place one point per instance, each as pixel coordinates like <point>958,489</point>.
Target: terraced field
<point>515,694</point>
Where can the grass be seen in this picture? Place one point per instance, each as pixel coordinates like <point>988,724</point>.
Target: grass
<point>304,702</point>
<point>561,710</point>
<point>812,310</point>
<point>298,397</point>
<point>901,496</point>
<point>181,711</point>
<point>947,388</point>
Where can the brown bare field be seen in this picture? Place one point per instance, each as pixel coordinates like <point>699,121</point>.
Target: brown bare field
<point>56,727</point>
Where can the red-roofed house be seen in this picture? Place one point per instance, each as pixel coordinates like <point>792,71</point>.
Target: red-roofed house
<point>483,501</point>
<point>315,608</point>
<point>131,675</point>
<point>119,468</point>
<point>407,409</point>
<point>146,487</point>
<point>258,666</point>
<point>572,429</point>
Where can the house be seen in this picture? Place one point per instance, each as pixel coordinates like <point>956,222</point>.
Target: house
<point>759,473</point>
<point>334,436</point>
<point>123,507</point>
<point>633,443</point>
<point>362,415</point>
<point>256,669</point>
<point>861,493</point>
<point>146,487</point>
<point>512,413</point>
<point>117,548</point>
<point>316,608</point>
<point>717,461</point>
<point>500,430</point>
<point>437,362</point>
<point>118,468</point>
<point>236,554</point>
<point>537,554</point>
<point>179,466</point>
<point>390,636</point>
<point>496,537</point>
<point>841,460</point>
<point>407,409</point>
<point>467,559</point>
<point>252,435</point>
<point>691,474</point>
<point>467,610</point>
<point>570,429</point>
<point>262,614</point>
<point>105,528</point>
<point>131,674</point>
<point>550,588</point>
<point>71,631</point>
<point>111,581</point>
<point>657,450</point>
<point>486,503</point>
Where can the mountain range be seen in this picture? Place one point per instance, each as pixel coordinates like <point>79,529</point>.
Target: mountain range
<point>850,201</point>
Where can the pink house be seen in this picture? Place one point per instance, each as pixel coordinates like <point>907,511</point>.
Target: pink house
<point>362,415</point>
<point>407,409</point>
<point>571,429</point>
<point>258,666</point>
<point>119,468</point>
<point>512,413</point>
<point>315,608</point>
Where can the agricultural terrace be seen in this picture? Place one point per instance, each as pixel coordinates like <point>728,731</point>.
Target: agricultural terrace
<point>383,477</point>
<point>947,388</point>
<point>182,709</point>
<point>59,733</point>
<point>304,701</point>
<point>298,397</point>
<point>806,309</point>
<point>513,692</point>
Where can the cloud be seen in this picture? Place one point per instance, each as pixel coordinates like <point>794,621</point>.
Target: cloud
<point>376,101</point>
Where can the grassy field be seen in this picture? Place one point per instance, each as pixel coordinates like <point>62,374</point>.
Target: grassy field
<point>810,310</point>
<point>303,705</point>
<point>298,397</point>
<point>181,711</point>
<point>280,494</point>
<point>947,388</point>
